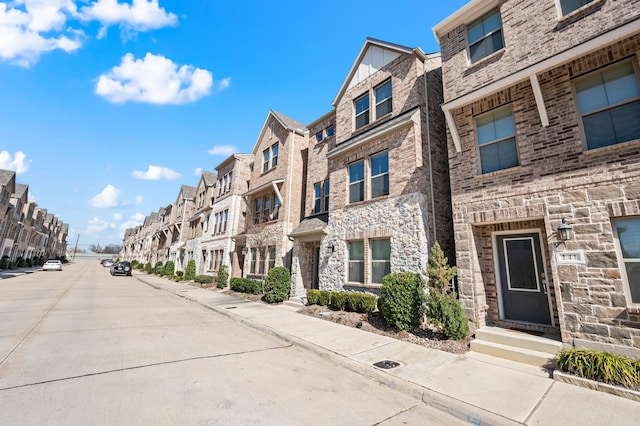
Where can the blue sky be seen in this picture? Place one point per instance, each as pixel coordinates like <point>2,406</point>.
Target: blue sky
<point>109,106</point>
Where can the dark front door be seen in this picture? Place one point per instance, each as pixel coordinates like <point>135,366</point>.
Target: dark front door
<point>522,279</point>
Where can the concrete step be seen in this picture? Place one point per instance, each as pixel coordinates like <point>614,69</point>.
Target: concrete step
<point>519,339</point>
<point>525,356</point>
<point>295,302</point>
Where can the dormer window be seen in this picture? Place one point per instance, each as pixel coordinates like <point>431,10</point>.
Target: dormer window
<point>484,36</point>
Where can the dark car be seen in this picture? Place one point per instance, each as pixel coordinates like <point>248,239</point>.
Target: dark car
<point>121,268</point>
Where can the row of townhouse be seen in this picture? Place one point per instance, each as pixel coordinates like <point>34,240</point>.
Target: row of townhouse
<point>27,231</point>
<point>517,149</point>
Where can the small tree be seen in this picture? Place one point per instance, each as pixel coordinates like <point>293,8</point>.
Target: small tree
<point>443,307</point>
<point>223,276</point>
<point>277,285</point>
<point>190,270</point>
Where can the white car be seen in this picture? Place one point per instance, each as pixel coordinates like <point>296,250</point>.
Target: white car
<point>52,265</point>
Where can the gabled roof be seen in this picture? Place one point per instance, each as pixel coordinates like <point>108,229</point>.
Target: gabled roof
<point>8,178</point>
<point>374,55</point>
<point>21,190</point>
<point>288,123</point>
<point>186,192</point>
<point>233,157</point>
<point>209,178</point>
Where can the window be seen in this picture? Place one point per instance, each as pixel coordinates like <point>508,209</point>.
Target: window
<point>609,102</point>
<point>380,259</point>
<point>276,207</point>
<point>362,111</point>
<point>319,137</point>
<point>257,211</point>
<point>272,257</point>
<point>383,100</point>
<point>356,182</point>
<point>380,175</point>
<point>568,6</point>
<point>484,36</point>
<point>330,131</point>
<point>225,219</point>
<point>497,140</point>
<point>266,208</point>
<point>254,255</point>
<point>356,262</point>
<point>261,263</point>
<point>230,181</point>
<point>628,236</point>
<point>265,162</point>
<point>274,154</point>
<point>321,197</point>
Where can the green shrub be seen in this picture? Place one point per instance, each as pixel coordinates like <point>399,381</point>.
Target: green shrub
<point>134,263</point>
<point>443,309</point>
<point>203,279</point>
<point>4,262</point>
<point>313,296</point>
<point>325,298</point>
<point>20,262</point>
<point>222,279</point>
<point>445,312</point>
<point>179,273</point>
<point>159,268</point>
<point>64,259</point>
<point>364,303</point>
<point>277,285</point>
<point>28,263</point>
<point>169,269</point>
<point>600,366</point>
<point>338,300</point>
<point>148,268</point>
<point>190,270</point>
<point>401,300</point>
<point>246,285</point>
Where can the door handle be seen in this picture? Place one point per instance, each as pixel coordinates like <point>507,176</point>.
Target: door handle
<point>544,283</point>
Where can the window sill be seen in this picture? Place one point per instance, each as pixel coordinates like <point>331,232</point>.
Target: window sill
<point>514,170</point>
<point>481,62</point>
<point>362,285</point>
<point>578,14</point>
<point>611,148</point>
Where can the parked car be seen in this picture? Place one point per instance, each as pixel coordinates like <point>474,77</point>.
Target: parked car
<point>121,268</point>
<point>107,263</point>
<point>52,265</point>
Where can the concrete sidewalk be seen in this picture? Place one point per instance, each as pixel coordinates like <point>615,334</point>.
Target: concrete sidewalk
<point>476,388</point>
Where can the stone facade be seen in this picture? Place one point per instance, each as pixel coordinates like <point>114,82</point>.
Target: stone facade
<point>415,211</point>
<point>556,176</point>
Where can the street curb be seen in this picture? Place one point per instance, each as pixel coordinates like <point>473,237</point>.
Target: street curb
<point>593,385</point>
<point>457,408</point>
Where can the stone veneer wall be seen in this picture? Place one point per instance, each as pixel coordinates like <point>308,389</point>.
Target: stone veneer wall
<point>402,219</point>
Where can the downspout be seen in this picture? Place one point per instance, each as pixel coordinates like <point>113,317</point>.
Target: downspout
<point>433,201</point>
<point>289,189</point>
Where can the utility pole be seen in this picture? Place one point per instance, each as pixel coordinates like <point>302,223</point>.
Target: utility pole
<point>76,247</point>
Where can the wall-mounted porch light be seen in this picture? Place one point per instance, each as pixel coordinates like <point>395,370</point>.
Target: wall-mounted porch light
<point>245,250</point>
<point>565,233</point>
<point>331,247</point>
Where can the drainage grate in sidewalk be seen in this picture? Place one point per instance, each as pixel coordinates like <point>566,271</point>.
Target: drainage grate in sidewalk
<point>386,364</point>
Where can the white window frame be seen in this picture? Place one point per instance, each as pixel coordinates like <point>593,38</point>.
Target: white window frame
<point>562,15</point>
<point>485,36</point>
<point>379,102</point>
<point>498,140</point>
<point>622,261</point>
<point>366,111</point>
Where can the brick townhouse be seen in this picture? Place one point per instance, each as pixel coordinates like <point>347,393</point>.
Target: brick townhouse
<point>377,193</point>
<point>275,194</point>
<point>542,101</point>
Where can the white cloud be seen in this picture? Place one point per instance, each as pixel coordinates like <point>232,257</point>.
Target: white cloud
<point>28,32</point>
<point>109,197</point>
<point>156,173</point>
<point>98,225</point>
<point>18,163</point>
<point>117,216</point>
<point>223,150</point>
<point>139,199</point>
<point>224,83</point>
<point>132,222</point>
<point>198,171</point>
<point>141,15</point>
<point>154,79</point>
